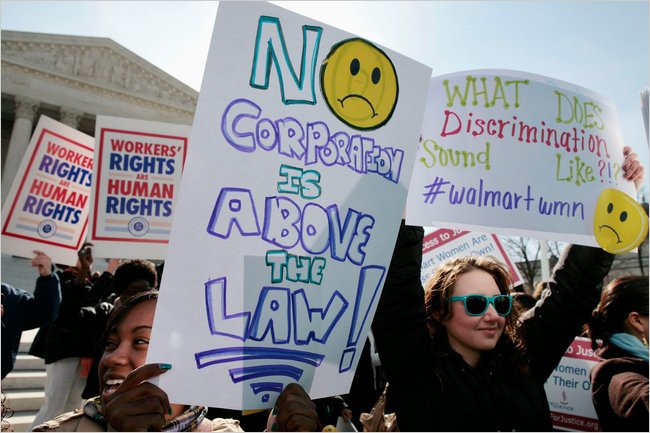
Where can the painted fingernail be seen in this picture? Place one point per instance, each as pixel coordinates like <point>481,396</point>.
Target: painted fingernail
<point>169,411</point>
<point>165,366</point>
<point>275,411</point>
<point>274,427</point>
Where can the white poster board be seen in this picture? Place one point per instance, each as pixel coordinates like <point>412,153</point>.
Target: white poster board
<point>47,207</point>
<point>568,389</point>
<point>442,244</point>
<point>138,170</point>
<point>288,211</point>
<point>514,153</point>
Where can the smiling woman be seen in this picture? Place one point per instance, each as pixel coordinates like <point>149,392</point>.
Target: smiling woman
<point>478,365</point>
<point>127,402</point>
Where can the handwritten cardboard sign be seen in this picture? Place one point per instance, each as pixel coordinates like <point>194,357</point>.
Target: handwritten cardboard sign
<point>137,176</point>
<point>443,244</point>
<point>568,389</point>
<point>294,187</point>
<point>47,207</point>
<point>517,154</point>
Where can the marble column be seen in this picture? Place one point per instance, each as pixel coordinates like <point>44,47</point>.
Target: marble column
<point>21,133</point>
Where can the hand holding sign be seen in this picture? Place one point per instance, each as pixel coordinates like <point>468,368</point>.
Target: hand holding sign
<point>42,262</point>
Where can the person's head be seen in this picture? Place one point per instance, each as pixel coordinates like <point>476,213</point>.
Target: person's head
<point>134,276</point>
<point>523,301</point>
<point>623,307</point>
<point>126,342</point>
<point>471,325</point>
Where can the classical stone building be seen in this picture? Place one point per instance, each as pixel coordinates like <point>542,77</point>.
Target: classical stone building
<point>73,79</point>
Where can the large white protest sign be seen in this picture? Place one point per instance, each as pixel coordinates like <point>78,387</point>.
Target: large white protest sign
<point>138,169</point>
<point>442,244</point>
<point>294,187</point>
<point>568,389</point>
<point>517,154</point>
<point>47,207</point>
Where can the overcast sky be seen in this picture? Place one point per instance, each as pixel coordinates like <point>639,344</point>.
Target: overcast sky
<point>600,45</point>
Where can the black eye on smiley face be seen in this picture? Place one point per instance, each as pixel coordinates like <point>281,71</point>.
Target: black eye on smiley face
<point>355,66</point>
<point>622,217</point>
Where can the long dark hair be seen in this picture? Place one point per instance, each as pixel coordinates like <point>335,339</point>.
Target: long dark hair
<point>621,297</point>
<point>509,351</point>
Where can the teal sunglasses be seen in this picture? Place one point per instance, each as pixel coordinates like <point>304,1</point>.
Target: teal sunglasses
<point>477,305</point>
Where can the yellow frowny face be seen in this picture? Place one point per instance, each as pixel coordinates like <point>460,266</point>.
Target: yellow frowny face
<point>359,84</point>
<point>620,223</point>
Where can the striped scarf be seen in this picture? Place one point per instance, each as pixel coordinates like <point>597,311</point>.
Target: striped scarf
<point>187,421</point>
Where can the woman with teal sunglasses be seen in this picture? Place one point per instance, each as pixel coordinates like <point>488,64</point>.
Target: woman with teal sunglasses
<point>480,366</point>
<point>458,357</point>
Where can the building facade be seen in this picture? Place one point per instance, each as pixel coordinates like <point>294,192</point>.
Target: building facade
<point>73,79</point>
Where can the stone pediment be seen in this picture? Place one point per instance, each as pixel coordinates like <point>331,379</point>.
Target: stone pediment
<point>98,63</point>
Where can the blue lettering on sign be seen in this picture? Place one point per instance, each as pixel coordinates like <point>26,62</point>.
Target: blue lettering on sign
<point>270,47</point>
<point>245,129</point>
<point>285,225</point>
<point>281,317</point>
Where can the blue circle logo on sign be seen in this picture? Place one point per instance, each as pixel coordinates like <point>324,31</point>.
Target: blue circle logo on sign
<point>138,226</point>
<point>46,228</point>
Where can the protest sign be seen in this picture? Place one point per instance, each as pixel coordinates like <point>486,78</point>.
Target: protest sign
<point>514,153</point>
<point>442,244</point>
<point>568,389</point>
<point>47,207</point>
<point>138,171</point>
<point>294,187</point>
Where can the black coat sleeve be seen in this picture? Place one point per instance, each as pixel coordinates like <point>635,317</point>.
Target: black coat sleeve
<point>44,306</point>
<point>566,305</point>
<point>401,334</point>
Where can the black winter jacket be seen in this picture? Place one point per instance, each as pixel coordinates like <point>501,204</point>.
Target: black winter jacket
<point>453,396</point>
<point>70,336</point>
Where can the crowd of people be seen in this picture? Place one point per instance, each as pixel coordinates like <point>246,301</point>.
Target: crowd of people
<point>461,353</point>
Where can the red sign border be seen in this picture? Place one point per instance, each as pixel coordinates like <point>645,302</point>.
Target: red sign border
<point>98,177</point>
<point>5,229</point>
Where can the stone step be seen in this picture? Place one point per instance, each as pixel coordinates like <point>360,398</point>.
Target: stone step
<point>28,362</point>
<point>26,340</point>
<point>26,379</point>
<point>20,421</point>
<point>23,387</point>
<point>21,400</point>
<point>24,346</point>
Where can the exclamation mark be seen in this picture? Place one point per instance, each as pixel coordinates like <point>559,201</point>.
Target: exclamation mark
<point>370,283</point>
